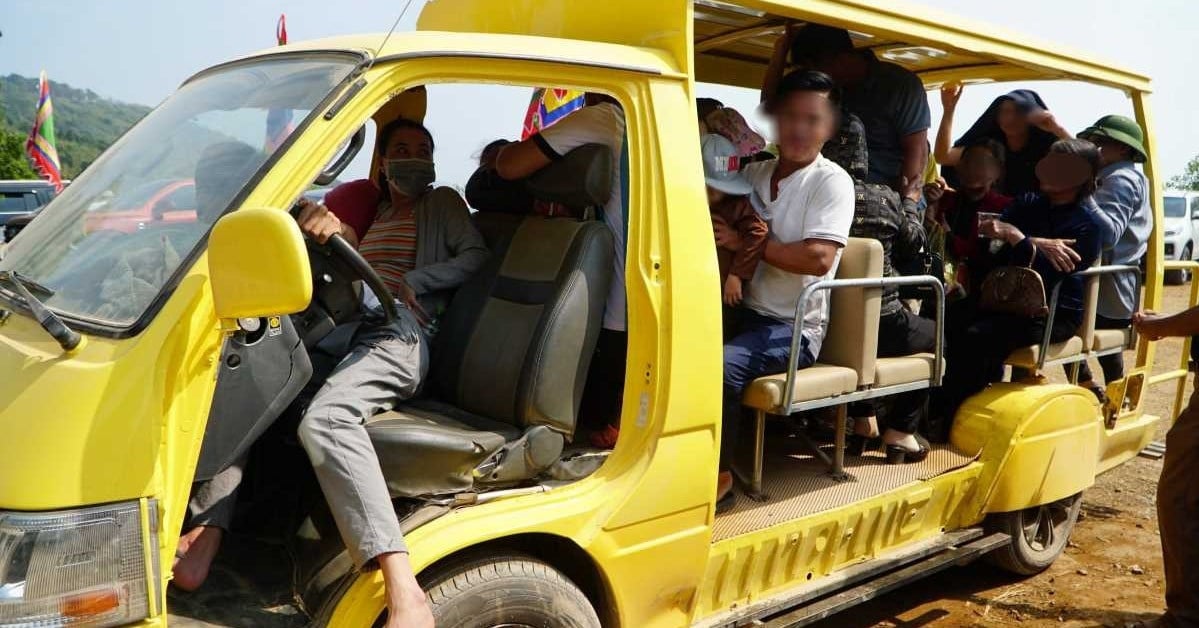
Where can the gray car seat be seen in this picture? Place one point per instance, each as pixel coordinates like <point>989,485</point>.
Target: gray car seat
<point>512,354</point>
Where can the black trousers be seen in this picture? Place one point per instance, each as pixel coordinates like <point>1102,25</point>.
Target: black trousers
<point>978,344</point>
<point>604,391</point>
<point>1112,365</point>
<point>899,334</point>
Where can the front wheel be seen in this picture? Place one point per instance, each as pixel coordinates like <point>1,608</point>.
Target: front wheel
<point>1039,535</point>
<point>510,589</point>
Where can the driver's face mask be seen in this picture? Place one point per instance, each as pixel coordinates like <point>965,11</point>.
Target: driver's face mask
<point>411,177</point>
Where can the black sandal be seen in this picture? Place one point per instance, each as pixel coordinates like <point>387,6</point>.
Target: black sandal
<point>899,455</point>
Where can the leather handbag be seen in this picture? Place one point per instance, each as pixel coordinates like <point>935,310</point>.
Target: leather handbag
<point>1015,290</point>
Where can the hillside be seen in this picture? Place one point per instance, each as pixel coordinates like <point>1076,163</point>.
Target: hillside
<point>84,122</point>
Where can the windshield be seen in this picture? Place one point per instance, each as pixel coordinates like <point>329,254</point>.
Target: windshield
<point>1176,207</point>
<point>217,131</point>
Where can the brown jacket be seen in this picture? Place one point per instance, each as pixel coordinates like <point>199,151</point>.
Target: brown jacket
<point>740,215</point>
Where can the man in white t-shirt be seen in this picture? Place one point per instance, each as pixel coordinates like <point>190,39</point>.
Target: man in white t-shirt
<point>601,121</point>
<point>808,201</point>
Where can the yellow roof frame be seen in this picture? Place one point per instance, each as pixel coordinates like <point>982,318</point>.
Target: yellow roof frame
<point>1005,55</point>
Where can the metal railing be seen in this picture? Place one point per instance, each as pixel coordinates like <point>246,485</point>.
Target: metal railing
<point>1094,271</point>
<point>865,283</point>
<point>1180,374</point>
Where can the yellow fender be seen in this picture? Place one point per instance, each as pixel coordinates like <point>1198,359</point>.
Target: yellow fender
<point>1038,443</point>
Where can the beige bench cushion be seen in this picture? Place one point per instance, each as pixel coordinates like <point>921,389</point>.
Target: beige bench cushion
<point>1109,339</point>
<point>815,382</point>
<point>903,370</point>
<point>1027,356</point>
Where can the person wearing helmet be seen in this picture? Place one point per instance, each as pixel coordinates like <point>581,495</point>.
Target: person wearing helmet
<point>1125,220</point>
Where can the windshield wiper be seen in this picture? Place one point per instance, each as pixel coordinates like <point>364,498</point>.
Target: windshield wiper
<point>67,338</point>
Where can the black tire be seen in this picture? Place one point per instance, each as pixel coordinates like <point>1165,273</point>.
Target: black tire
<point>1179,277</point>
<point>1039,535</point>
<point>509,589</point>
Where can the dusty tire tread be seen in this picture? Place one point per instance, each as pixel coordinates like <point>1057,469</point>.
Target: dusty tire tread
<point>480,570</point>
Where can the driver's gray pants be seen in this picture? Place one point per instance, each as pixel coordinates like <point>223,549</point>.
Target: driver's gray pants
<point>213,500</point>
<point>383,366</point>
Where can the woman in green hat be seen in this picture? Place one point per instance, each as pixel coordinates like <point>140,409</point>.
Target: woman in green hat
<point>1125,218</point>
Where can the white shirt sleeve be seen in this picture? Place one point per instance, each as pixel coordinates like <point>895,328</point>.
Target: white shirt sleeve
<point>829,213</point>
<point>597,124</point>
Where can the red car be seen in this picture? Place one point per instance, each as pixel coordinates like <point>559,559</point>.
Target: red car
<point>168,201</point>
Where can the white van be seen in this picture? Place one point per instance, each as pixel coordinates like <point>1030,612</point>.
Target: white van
<point>1181,227</point>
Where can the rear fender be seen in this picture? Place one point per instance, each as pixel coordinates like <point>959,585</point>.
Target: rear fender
<point>1038,443</point>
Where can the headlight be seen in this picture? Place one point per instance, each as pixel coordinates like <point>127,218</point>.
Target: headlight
<point>74,567</point>
<point>1171,232</point>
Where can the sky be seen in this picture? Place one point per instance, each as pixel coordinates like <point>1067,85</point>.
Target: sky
<point>140,50</point>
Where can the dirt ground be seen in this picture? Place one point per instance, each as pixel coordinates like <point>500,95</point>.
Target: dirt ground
<point>1110,574</point>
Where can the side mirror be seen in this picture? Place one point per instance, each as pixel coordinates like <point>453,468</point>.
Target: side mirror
<point>258,265</point>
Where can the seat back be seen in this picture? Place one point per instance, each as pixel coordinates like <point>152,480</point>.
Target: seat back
<point>516,341</point>
<point>852,337</point>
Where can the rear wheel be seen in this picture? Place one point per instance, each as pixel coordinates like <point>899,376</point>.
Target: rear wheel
<point>1039,535</point>
<point>511,589</point>
<point>1178,277</point>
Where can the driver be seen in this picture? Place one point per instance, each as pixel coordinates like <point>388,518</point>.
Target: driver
<point>422,244</point>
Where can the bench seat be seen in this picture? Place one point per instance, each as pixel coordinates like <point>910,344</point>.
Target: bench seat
<point>1109,339</point>
<point>907,369</point>
<point>815,382</point>
<point>1027,357</point>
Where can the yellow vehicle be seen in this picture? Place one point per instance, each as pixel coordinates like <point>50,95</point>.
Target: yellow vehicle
<point>135,364</point>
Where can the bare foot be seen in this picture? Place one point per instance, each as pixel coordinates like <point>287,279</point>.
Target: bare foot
<point>197,549</point>
<point>407,604</point>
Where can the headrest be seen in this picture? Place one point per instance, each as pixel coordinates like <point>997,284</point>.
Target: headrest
<point>581,179</point>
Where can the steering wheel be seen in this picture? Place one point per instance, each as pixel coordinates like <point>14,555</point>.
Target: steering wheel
<point>336,267</point>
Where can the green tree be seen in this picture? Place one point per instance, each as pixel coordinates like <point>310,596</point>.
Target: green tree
<point>13,163</point>
<point>1189,179</point>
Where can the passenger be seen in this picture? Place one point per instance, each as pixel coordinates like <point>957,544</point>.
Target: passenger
<point>421,242</point>
<point>601,121</point>
<point>703,107</point>
<point>1126,219</point>
<point>728,203</point>
<point>889,99</point>
<point>881,214</point>
<point>728,123</point>
<point>219,173</point>
<point>1177,490</point>
<point>487,191</point>
<point>808,202</point>
<point>1055,233</point>
<point>958,211</point>
<point>1018,120</point>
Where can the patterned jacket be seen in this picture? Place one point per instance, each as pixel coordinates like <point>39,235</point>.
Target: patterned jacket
<point>879,212</point>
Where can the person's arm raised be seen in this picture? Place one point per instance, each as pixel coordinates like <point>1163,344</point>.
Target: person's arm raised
<point>943,149</point>
<point>778,62</point>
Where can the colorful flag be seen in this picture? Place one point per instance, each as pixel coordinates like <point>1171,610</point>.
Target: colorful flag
<point>40,144</point>
<point>548,106</point>
<point>278,121</point>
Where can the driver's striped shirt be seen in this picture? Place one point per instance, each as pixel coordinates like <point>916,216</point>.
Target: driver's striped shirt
<point>390,246</point>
